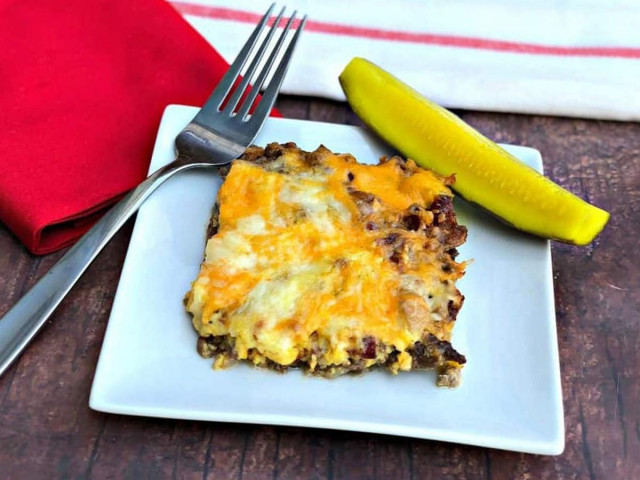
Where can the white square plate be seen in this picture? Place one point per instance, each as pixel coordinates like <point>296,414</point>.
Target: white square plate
<point>510,397</point>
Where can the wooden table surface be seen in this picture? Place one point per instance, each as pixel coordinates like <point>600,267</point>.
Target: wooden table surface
<point>48,431</point>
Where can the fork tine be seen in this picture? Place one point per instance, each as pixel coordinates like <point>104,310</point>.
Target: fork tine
<point>229,78</point>
<point>270,94</point>
<point>246,106</point>
<point>237,94</point>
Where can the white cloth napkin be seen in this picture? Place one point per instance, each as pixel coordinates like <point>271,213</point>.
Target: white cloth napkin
<point>554,57</point>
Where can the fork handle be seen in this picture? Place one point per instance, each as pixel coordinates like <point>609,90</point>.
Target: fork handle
<point>22,322</point>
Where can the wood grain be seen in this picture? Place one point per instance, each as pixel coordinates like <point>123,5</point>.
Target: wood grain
<point>48,431</point>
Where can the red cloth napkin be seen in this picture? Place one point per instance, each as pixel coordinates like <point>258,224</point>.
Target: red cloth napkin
<point>82,88</point>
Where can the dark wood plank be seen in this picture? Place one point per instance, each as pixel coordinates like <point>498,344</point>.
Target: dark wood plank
<point>227,448</point>
<point>394,458</point>
<point>260,453</point>
<point>352,456</point>
<point>44,414</point>
<point>326,111</point>
<point>48,431</point>
<point>301,450</point>
<point>434,460</point>
<point>291,107</point>
<point>134,448</point>
<point>20,267</point>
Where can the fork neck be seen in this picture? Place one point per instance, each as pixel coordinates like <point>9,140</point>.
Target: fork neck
<point>200,144</point>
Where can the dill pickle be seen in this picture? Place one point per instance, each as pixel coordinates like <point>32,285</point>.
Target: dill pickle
<point>485,173</point>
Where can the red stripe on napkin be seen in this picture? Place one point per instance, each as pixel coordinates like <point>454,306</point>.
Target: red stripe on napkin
<point>223,13</point>
<point>84,85</point>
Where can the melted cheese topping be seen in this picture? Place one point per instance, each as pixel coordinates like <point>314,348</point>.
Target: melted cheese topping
<point>292,265</point>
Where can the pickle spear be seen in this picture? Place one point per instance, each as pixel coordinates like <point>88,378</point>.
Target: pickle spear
<point>485,173</point>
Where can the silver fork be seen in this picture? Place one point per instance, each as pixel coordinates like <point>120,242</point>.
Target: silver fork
<point>219,133</point>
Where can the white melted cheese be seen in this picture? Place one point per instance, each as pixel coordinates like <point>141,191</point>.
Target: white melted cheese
<point>252,225</point>
<point>273,302</point>
<point>315,200</point>
<point>232,249</point>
